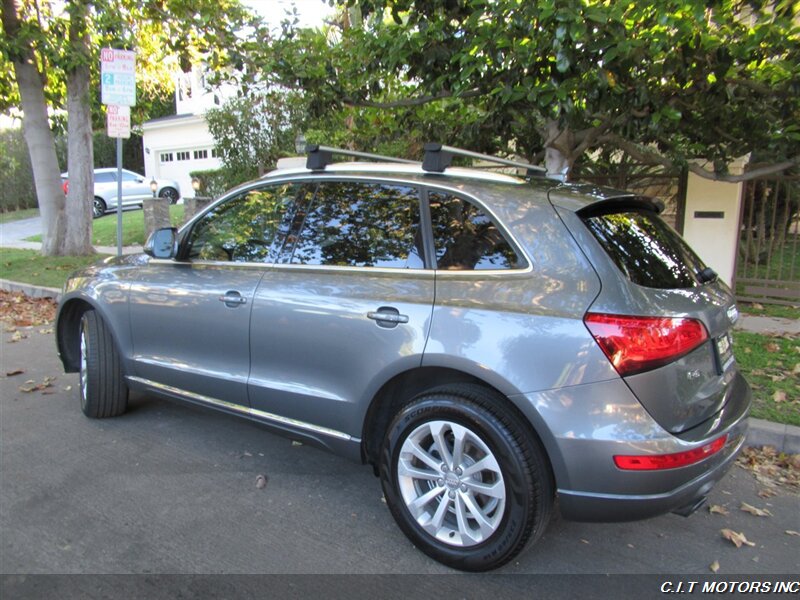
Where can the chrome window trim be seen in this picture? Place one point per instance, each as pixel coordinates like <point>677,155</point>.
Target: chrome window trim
<point>246,410</point>
<point>344,269</point>
<point>210,263</point>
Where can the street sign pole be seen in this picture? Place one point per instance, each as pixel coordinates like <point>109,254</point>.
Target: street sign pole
<point>119,196</point>
<point>118,93</point>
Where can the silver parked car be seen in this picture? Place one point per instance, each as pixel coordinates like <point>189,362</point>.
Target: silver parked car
<point>494,346</point>
<point>135,189</point>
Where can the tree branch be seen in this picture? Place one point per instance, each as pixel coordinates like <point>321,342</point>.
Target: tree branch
<point>411,101</point>
<point>648,155</point>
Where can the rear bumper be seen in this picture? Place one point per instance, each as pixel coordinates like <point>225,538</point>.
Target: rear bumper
<point>583,427</point>
<point>586,506</point>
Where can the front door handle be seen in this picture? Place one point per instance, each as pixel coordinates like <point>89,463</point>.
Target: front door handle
<point>387,316</point>
<point>232,299</point>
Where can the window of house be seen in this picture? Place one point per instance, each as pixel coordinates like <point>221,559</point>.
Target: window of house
<point>215,153</point>
<point>359,224</point>
<point>465,238</point>
<point>200,154</point>
<point>183,155</point>
<point>166,157</point>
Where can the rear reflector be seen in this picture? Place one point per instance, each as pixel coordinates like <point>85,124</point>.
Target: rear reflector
<point>657,462</point>
<point>636,344</point>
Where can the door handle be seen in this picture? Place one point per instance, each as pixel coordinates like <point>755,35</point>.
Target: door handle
<point>233,299</point>
<point>387,316</point>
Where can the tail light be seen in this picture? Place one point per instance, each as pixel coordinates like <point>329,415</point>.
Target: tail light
<point>637,344</point>
<point>657,462</point>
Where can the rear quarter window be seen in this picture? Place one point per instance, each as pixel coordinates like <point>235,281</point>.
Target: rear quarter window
<point>646,249</point>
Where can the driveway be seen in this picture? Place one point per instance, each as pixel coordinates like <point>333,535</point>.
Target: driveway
<point>169,488</point>
<point>13,233</point>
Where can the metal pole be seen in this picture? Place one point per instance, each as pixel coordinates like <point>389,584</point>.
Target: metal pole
<point>119,196</point>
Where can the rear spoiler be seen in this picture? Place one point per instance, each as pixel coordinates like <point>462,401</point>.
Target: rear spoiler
<point>621,204</point>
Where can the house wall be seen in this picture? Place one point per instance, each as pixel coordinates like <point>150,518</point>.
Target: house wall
<point>173,148</point>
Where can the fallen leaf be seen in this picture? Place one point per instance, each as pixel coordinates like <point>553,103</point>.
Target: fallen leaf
<point>792,532</point>
<point>779,396</point>
<point>296,443</point>
<point>261,481</point>
<point>755,511</point>
<point>737,539</point>
<point>767,493</point>
<point>777,378</point>
<point>757,306</point>
<point>796,370</point>
<point>32,386</point>
<point>714,566</point>
<point>584,541</point>
<point>772,347</point>
<point>246,453</point>
<point>716,509</point>
<point>15,372</point>
<point>46,331</point>
<point>748,350</point>
<point>18,336</point>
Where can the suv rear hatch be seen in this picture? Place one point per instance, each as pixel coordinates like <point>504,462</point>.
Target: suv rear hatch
<point>663,318</point>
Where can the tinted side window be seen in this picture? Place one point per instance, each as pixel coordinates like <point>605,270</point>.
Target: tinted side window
<point>104,178</point>
<point>129,177</point>
<point>359,224</point>
<point>245,228</point>
<point>465,238</point>
<point>646,250</point>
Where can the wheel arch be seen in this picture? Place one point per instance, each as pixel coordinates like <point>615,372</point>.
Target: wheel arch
<point>68,322</point>
<point>405,386</point>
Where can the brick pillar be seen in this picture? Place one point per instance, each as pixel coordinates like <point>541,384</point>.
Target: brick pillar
<point>192,206</point>
<point>156,214</point>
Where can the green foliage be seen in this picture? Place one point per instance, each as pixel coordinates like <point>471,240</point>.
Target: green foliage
<point>165,34</point>
<point>16,177</point>
<point>253,131</point>
<point>672,80</point>
<point>215,182</point>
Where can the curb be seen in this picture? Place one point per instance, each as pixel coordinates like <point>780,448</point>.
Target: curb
<point>34,291</point>
<point>784,438</point>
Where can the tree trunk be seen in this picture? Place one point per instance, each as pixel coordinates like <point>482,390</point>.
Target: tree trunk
<point>80,152</point>
<point>559,151</point>
<point>38,137</point>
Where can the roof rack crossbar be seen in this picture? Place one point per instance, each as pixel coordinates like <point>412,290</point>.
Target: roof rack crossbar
<point>321,156</point>
<point>438,157</point>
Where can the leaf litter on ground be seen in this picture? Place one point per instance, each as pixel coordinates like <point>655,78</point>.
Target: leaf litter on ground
<point>771,468</point>
<point>20,310</point>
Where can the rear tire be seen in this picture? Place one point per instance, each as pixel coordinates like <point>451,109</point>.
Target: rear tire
<point>476,504</point>
<point>170,194</point>
<point>103,390</point>
<point>98,207</point>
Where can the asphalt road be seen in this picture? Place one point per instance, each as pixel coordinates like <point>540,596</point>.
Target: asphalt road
<point>169,488</point>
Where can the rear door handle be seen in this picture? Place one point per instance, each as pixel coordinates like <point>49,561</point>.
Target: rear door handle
<point>232,299</point>
<point>387,316</point>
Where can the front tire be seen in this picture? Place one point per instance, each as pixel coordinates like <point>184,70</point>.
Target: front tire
<point>465,483</point>
<point>102,383</point>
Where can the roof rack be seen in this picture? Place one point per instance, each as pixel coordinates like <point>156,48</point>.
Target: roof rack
<point>321,156</point>
<point>438,157</point>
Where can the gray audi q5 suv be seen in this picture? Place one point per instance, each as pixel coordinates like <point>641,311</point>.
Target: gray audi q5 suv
<point>494,346</point>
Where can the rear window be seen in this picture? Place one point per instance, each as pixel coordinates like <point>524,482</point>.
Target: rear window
<point>646,249</point>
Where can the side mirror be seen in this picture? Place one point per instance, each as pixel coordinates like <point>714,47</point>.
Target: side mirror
<point>140,179</point>
<point>162,243</point>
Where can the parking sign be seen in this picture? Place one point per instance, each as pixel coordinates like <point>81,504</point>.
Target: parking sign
<point>118,77</point>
